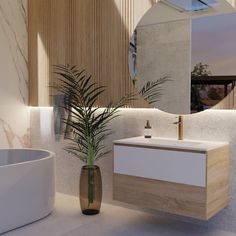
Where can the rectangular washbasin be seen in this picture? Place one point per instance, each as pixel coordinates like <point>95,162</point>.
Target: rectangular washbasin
<point>182,143</point>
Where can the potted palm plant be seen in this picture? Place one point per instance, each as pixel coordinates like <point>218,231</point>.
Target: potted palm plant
<point>87,128</point>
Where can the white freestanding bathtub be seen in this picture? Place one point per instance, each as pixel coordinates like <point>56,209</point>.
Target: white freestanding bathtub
<point>27,186</point>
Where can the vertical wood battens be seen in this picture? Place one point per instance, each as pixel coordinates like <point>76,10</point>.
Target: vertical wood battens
<point>39,43</point>
<point>32,53</point>
<point>93,34</point>
<point>126,39</point>
<point>99,38</point>
<point>123,29</point>
<point>68,32</point>
<point>94,16</point>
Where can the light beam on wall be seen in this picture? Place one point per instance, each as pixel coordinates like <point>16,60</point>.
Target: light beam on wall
<point>43,72</point>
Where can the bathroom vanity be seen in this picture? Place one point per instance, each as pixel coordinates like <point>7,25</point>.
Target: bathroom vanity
<point>188,178</point>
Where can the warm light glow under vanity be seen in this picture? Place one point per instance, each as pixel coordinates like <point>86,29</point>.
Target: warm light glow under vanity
<point>187,177</point>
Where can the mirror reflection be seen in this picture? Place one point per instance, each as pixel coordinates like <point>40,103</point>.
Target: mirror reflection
<point>184,61</point>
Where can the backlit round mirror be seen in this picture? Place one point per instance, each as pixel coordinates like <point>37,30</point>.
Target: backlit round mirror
<point>182,56</point>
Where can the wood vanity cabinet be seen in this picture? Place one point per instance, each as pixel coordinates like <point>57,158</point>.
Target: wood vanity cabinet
<point>189,182</point>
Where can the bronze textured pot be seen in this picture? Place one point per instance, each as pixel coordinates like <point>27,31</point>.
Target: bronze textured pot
<point>90,190</point>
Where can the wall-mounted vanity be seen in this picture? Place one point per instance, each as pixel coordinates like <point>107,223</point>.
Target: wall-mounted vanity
<point>188,178</point>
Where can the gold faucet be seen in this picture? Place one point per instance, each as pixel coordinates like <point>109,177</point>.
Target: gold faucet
<point>180,124</point>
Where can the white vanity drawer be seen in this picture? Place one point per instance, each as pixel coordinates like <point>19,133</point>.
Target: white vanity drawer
<point>167,165</point>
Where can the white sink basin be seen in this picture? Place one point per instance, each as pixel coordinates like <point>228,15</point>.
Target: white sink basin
<point>171,143</point>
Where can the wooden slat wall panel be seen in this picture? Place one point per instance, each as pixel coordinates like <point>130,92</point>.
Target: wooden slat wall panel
<point>39,51</point>
<point>58,38</point>
<point>93,34</point>
<point>32,44</point>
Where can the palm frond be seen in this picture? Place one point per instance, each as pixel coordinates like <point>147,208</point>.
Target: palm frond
<point>87,124</point>
<point>151,91</point>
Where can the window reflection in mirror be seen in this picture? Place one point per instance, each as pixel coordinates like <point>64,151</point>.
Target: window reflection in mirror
<point>213,60</point>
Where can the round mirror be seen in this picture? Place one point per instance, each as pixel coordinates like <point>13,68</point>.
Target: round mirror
<point>182,56</point>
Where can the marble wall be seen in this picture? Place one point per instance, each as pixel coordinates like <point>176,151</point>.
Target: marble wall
<point>14,113</point>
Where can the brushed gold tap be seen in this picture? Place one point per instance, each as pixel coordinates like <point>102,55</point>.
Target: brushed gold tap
<point>180,124</point>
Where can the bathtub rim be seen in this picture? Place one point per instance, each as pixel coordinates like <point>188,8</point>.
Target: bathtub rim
<point>51,155</point>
